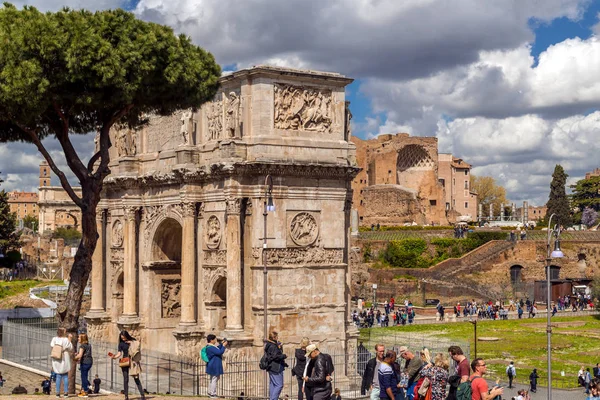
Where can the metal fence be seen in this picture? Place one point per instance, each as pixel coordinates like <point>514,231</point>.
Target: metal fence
<point>27,342</point>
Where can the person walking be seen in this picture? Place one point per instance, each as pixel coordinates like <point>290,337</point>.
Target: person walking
<point>437,373</point>
<point>61,359</point>
<point>298,370</point>
<point>587,380</point>
<point>214,367</point>
<point>511,372</point>
<point>370,380</point>
<point>388,378</point>
<point>533,377</point>
<point>84,356</point>
<point>128,349</point>
<point>322,368</point>
<point>276,364</point>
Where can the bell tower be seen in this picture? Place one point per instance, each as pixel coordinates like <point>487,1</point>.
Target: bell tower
<point>44,174</point>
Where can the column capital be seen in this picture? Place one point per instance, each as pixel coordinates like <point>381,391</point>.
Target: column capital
<point>129,212</point>
<point>188,209</point>
<point>201,210</point>
<point>233,206</point>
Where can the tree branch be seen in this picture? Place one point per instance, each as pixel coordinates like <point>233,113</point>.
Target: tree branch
<point>102,171</point>
<point>61,176</point>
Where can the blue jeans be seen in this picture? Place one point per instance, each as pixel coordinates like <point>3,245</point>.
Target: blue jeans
<point>65,380</point>
<point>410,391</point>
<point>85,373</point>
<point>275,384</point>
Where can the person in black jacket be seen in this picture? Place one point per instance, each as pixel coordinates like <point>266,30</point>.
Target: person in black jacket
<point>370,379</point>
<point>276,360</point>
<point>298,370</point>
<point>322,367</point>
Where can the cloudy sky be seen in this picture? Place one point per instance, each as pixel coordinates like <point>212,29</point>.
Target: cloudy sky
<point>511,86</point>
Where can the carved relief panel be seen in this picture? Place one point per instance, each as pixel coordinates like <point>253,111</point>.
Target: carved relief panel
<point>303,108</point>
<point>223,116</point>
<point>170,298</point>
<point>303,228</point>
<point>213,231</point>
<point>117,234</point>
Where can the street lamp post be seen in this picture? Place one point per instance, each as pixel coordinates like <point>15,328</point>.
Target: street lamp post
<point>267,206</point>
<point>474,322</point>
<point>556,253</point>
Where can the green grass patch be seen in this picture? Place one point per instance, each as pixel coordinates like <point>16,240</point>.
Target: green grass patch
<point>13,288</point>
<point>575,342</point>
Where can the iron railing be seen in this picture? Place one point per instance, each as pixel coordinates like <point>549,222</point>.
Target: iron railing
<point>27,342</point>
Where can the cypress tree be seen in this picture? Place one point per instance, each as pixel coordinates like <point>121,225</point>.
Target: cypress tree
<point>558,203</point>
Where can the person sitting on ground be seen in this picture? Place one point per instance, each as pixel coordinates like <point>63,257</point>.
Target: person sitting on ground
<point>46,386</point>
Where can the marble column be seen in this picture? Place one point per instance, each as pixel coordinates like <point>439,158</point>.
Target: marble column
<point>129,270</point>
<point>234,267</point>
<point>188,266</point>
<point>97,305</point>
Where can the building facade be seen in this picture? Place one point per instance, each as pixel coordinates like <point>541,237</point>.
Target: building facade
<point>404,180</point>
<point>182,219</point>
<point>23,204</point>
<point>455,177</point>
<point>56,209</point>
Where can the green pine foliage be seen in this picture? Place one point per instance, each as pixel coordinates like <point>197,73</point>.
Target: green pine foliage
<point>9,239</point>
<point>558,202</point>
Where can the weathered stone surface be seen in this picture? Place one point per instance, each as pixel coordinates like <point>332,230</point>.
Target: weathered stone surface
<point>190,202</point>
<point>404,179</point>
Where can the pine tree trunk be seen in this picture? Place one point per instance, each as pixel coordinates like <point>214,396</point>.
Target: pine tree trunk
<point>70,309</point>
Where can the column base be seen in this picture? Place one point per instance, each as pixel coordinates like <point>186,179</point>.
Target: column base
<point>97,316</point>
<point>128,322</point>
<point>238,338</point>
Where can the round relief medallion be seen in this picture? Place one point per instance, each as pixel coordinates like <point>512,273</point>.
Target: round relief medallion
<point>213,232</point>
<point>303,229</point>
<point>117,234</point>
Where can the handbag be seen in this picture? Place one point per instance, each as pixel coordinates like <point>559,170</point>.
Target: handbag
<point>424,387</point>
<point>56,353</point>
<point>124,362</point>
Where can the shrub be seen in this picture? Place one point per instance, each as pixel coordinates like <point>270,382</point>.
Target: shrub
<point>406,253</point>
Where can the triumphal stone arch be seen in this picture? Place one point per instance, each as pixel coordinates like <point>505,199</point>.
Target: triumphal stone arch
<point>181,218</point>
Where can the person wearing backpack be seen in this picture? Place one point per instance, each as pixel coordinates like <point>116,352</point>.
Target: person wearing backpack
<point>61,359</point>
<point>214,367</point>
<point>511,372</point>
<point>476,388</point>
<point>275,364</point>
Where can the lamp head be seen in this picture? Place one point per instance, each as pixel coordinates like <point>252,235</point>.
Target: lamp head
<point>557,252</point>
<point>270,204</point>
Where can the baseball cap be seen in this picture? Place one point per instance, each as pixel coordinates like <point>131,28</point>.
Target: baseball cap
<point>402,349</point>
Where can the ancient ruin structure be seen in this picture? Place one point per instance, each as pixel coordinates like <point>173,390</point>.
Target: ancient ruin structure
<point>56,209</point>
<point>405,180</point>
<point>181,219</point>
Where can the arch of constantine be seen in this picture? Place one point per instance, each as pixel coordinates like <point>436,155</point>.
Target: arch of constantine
<point>181,219</point>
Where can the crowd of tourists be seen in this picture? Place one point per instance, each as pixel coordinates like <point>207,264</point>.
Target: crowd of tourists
<point>590,381</point>
<point>394,314</point>
<point>313,369</point>
<point>390,315</point>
